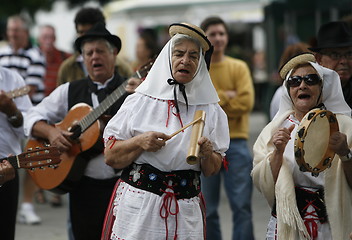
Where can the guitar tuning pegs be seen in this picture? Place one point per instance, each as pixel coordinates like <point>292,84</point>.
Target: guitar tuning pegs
<point>29,149</point>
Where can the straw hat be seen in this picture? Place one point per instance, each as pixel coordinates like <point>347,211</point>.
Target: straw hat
<point>294,61</point>
<point>191,30</point>
<point>99,31</point>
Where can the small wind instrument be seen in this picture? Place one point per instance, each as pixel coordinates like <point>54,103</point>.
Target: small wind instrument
<point>197,133</point>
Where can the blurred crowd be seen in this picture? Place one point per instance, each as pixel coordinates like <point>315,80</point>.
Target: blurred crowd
<point>242,82</point>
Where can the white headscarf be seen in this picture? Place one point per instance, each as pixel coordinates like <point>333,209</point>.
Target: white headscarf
<point>332,95</point>
<point>199,91</point>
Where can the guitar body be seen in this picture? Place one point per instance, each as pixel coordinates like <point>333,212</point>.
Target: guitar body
<point>62,178</point>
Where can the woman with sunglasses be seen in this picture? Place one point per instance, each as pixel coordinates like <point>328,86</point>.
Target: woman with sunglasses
<point>306,206</point>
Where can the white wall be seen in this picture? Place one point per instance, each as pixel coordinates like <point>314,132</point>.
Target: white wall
<point>62,18</point>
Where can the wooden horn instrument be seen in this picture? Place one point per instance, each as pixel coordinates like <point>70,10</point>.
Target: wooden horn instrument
<point>197,132</point>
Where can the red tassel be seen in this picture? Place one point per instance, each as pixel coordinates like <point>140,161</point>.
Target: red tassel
<point>112,138</point>
<point>225,163</point>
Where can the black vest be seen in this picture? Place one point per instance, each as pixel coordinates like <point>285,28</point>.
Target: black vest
<point>80,92</point>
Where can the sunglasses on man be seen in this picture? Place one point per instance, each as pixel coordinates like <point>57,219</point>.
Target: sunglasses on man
<point>310,80</point>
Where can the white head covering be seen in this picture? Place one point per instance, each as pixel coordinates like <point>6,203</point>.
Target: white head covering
<point>199,91</point>
<point>332,95</point>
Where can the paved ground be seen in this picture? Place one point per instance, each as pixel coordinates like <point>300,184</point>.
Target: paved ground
<point>53,226</point>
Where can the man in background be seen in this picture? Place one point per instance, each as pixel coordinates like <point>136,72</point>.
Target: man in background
<point>334,51</point>
<point>233,82</point>
<point>20,55</point>
<point>53,56</point>
<point>73,68</point>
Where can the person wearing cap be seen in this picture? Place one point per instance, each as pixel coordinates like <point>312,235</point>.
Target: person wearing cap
<point>334,51</point>
<point>159,193</point>
<point>90,196</point>
<point>233,82</point>
<point>306,205</point>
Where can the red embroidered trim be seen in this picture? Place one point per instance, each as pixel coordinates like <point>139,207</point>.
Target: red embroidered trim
<point>310,223</point>
<point>170,106</point>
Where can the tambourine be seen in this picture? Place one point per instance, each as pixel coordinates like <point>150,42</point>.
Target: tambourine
<point>311,148</point>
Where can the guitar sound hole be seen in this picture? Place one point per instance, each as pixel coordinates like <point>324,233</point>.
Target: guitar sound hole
<point>77,130</point>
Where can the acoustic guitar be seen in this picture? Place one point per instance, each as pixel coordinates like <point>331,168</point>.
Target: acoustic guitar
<point>82,121</point>
<point>35,158</point>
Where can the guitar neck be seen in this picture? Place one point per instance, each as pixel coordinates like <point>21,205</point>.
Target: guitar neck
<point>13,160</point>
<point>88,120</point>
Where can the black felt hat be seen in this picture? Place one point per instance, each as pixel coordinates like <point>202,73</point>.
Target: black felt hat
<point>98,31</point>
<point>332,35</point>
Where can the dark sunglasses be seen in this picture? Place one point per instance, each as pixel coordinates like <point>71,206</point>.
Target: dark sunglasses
<point>310,80</point>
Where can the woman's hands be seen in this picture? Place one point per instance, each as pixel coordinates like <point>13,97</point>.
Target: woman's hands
<point>119,154</point>
<point>280,140</point>
<point>210,161</point>
<point>152,141</point>
<point>338,143</point>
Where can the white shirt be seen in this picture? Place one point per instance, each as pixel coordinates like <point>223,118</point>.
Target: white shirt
<point>140,113</point>
<point>53,109</point>
<point>10,137</point>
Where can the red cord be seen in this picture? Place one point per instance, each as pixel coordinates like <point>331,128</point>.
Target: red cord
<point>310,223</point>
<point>170,106</point>
<point>166,208</point>
<point>112,138</point>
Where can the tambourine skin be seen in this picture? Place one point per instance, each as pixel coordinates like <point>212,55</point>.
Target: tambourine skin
<point>325,118</point>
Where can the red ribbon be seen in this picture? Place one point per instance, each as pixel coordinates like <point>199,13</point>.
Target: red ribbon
<point>169,200</point>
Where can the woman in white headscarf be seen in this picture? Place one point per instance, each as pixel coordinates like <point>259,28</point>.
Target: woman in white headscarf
<point>158,196</point>
<point>328,213</point>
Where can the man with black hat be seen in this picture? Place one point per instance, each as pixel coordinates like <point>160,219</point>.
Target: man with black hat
<point>73,68</point>
<point>334,51</point>
<point>90,195</point>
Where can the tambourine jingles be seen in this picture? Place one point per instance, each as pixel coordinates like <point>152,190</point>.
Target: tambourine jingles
<point>311,148</point>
